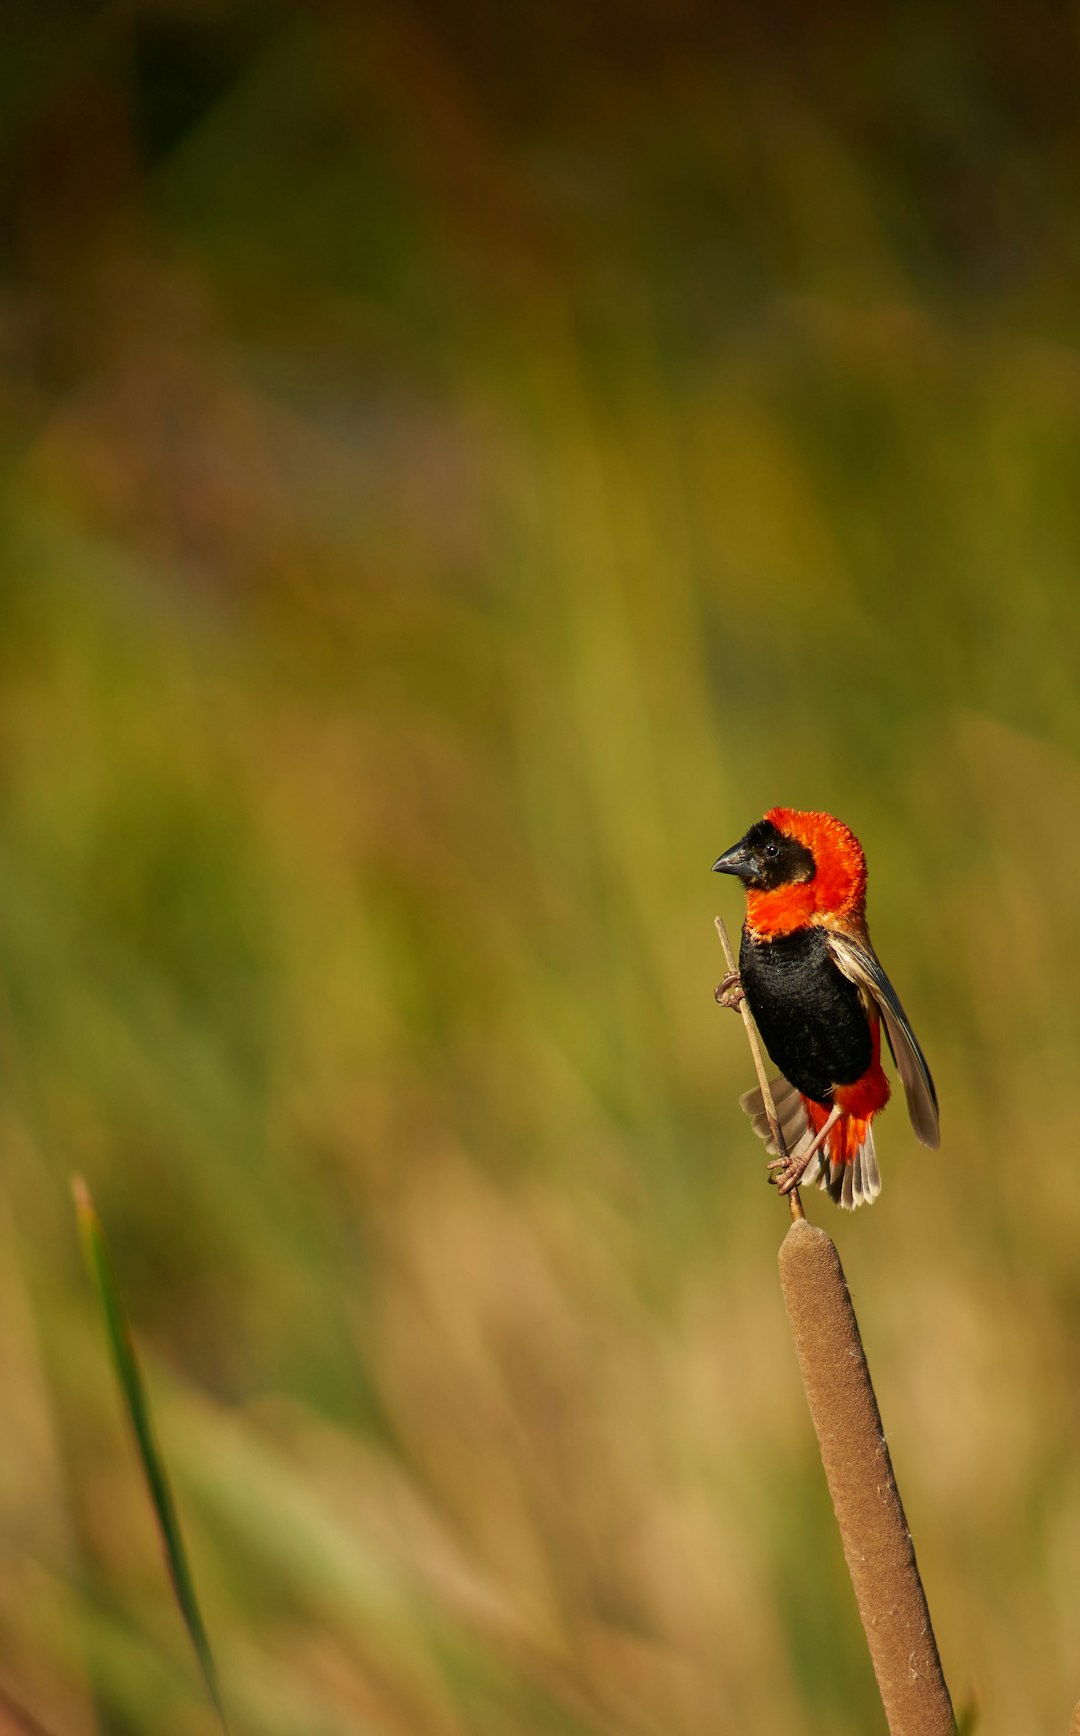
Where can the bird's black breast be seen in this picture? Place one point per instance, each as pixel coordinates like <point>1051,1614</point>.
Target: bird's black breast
<point>809,1014</point>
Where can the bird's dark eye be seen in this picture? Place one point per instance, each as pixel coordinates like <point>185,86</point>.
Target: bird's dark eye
<point>772,851</point>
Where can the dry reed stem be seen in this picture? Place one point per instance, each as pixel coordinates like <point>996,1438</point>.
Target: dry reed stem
<point>793,1199</point>
<point>877,1543</point>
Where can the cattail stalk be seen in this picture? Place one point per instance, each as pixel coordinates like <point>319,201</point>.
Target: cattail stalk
<point>874,1532</point>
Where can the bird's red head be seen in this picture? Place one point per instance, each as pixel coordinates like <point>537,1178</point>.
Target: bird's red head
<point>799,868</point>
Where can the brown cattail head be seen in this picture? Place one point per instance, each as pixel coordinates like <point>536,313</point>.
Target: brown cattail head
<point>873,1529</point>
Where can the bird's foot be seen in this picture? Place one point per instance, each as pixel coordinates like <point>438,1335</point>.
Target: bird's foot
<point>790,1171</point>
<point>793,1167</point>
<point>730,993</point>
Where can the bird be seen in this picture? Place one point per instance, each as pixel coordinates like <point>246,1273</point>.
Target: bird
<point>820,999</point>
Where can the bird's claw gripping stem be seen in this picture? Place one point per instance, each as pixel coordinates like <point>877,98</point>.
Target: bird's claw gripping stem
<point>794,1167</point>
<point>792,1170</point>
<point>730,992</point>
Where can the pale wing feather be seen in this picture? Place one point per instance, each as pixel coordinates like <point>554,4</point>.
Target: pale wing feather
<point>790,1111</point>
<point>861,965</point>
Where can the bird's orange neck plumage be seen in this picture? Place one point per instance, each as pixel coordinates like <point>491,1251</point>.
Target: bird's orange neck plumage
<point>836,895</point>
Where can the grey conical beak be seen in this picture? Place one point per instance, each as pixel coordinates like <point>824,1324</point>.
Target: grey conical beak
<point>737,860</point>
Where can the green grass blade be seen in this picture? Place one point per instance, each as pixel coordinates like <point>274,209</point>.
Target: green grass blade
<point>99,1263</point>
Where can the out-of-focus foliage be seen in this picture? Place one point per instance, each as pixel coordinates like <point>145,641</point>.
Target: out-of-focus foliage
<point>461,465</point>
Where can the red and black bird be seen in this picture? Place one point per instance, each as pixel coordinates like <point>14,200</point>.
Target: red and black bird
<point>819,998</point>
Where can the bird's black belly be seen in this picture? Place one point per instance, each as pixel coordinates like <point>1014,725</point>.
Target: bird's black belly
<point>809,1014</point>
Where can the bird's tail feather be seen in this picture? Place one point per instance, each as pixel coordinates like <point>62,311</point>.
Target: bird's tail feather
<point>850,1181</point>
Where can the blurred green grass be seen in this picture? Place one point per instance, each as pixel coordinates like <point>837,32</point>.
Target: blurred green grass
<point>458,472</point>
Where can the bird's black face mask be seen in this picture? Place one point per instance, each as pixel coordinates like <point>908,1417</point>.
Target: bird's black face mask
<point>766,858</point>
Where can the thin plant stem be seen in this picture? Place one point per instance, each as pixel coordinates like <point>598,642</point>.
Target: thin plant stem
<point>137,1406</point>
<point>794,1202</point>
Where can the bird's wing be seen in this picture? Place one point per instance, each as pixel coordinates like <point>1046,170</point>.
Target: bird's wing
<point>861,965</point>
<point>790,1110</point>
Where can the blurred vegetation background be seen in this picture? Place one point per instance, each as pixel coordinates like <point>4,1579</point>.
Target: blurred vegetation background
<point>461,465</point>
